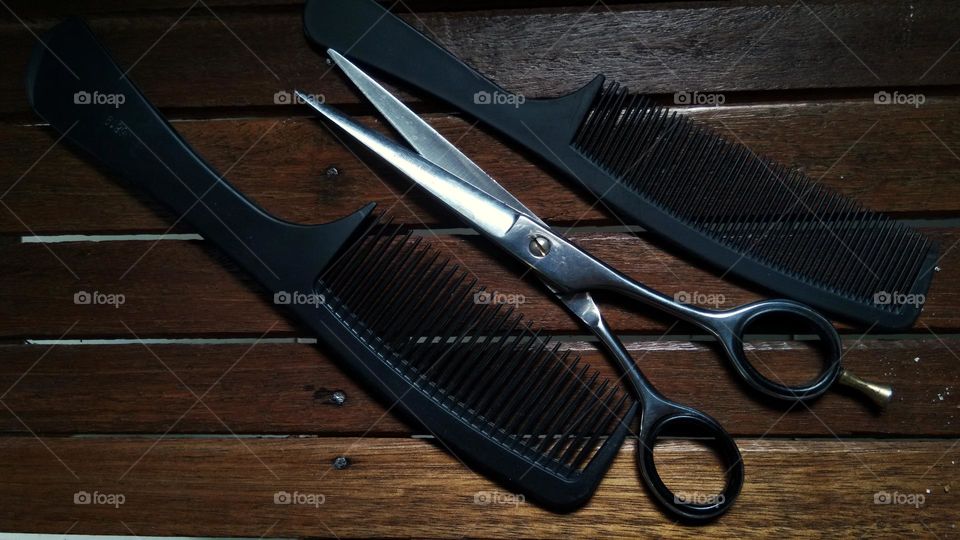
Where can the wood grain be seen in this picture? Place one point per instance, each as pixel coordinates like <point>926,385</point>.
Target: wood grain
<point>198,439</point>
<point>26,8</point>
<point>288,389</point>
<point>408,487</point>
<point>179,288</point>
<point>740,46</point>
<point>888,157</point>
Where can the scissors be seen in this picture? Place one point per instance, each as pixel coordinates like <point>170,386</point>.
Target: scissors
<point>570,274</point>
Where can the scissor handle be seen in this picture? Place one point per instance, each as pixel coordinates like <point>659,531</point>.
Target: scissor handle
<point>662,417</point>
<point>577,271</point>
<point>730,326</point>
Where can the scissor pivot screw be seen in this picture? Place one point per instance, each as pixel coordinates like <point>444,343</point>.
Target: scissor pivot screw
<point>539,246</point>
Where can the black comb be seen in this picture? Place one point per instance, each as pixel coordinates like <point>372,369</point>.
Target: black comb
<point>434,326</point>
<point>712,198</point>
<point>489,386</point>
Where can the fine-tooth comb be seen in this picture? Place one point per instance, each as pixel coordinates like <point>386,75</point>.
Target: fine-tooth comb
<point>713,199</point>
<point>480,361</point>
<point>490,387</point>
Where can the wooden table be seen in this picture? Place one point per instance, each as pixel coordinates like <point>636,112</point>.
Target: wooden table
<point>199,437</point>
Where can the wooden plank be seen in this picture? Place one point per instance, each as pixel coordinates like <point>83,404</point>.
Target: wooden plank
<point>203,296</point>
<point>27,9</point>
<point>720,47</point>
<point>288,389</point>
<point>862,150</point>
<point>227,487</point>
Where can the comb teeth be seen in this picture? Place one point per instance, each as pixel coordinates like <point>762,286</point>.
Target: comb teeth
<point>764,211</point>
<point>480,361</point>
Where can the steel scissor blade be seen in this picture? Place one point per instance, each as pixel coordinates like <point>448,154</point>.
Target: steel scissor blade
<point>424,139</point>
<point>481,210</point>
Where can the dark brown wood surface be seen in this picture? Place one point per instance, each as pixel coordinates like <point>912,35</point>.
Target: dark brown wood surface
<point>404,487</point>
<point>199,436</point>
<point>904,155</point>
<point>288,389</point>
<point>226,303</point>
<point>239,60</point>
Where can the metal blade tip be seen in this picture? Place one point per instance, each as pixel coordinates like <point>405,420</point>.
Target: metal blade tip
<point>335,56</point>
<point>309,100</point>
